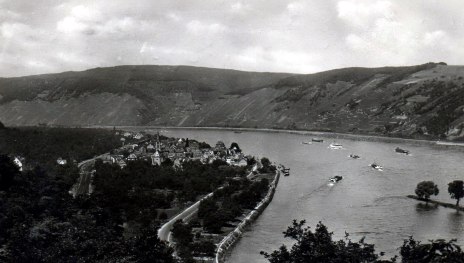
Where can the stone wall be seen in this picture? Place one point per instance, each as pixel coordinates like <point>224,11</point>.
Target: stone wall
<point>228,241</point>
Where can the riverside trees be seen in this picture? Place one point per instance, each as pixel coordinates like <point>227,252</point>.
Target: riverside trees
<point>456,190</point>
<point>425,189</point>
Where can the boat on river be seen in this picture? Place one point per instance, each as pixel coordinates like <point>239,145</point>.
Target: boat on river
<point>306,142</point>
<point>317,140</point>
<point>354,156</point>
<point>285,171</point>
<point>336,179</point>
<point>399,150</point>
<point>335,146</point>
<point>376,167</point>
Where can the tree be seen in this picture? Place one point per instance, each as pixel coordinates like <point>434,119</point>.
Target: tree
<point>265,162</point>
<point>213,223</point>
<point>167,162</point>
<point>207,207</point>
<point>8,170</point>
<point>182,233</point>
<point>163,216</point>
<point>456,190</point>
<point>425,189</point>
<point>437,251</point>
<point>149,248</point>
<point>204,248</point>
<point>204,145</point>
<point>318,247</point>
<point>234,146</point>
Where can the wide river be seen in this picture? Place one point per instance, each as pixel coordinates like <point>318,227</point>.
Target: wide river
<point>366,202</point>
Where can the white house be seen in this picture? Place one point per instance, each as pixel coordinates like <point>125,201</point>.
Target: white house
<point>18,163</point>
<point>61,161</point>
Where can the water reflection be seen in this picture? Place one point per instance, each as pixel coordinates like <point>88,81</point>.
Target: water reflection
<point>424,208</point>
<point>456,222</point>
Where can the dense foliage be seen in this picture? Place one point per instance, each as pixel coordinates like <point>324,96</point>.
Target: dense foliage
<point>8,171</point>
<point>41,222</point>
<point>456,190</point>
<point>319,247</point>
<point>266,167</point>
<point>45,145</point>
<point>437,251</point>
<point>426,189</point>
<point>229,202</point>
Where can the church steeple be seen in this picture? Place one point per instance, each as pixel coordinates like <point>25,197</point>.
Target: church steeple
<point>157,143</point>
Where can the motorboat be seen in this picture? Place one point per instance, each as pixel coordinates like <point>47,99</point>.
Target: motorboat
<point>335,179</point>
<point>335,146</point>
<point>399,150</point>
<point>376,167</point>
<point>354,156</point>
<point>285,171</point>
<point>317,140</point>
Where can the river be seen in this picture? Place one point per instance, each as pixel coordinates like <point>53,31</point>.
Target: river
<point>366,202</point>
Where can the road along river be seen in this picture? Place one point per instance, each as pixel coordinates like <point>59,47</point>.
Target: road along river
<point>366,202</point>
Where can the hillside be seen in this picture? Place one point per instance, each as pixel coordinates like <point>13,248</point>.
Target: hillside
<point>418,101</point>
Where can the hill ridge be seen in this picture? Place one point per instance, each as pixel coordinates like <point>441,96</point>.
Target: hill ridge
<point>422,101</point>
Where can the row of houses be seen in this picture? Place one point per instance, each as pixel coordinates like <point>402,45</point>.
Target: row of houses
<point>157,150</point>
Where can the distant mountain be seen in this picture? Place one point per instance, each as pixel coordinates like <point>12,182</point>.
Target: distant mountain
<point>418,101</point>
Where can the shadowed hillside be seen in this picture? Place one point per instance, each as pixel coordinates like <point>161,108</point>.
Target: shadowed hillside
<point>424,101</point>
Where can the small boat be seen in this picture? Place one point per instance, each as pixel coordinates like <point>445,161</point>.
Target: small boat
<point>285,171</point>
<point>317,140</point>
<point>376,167</point>
<point>237,132</point>
<point>354,156</point>
<point>335,146</point>
<point>399,150</point>
<point>335,179</point>
<point>306,142</point>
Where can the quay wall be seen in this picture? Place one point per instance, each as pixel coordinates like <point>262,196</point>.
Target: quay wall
<point>228,241</point>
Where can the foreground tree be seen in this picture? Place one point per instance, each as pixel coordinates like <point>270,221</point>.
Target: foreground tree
<point>426,189</point>
<point>439,251</point>
<point>318,247</point>
<point>8,171</point>
<point>456,190</point>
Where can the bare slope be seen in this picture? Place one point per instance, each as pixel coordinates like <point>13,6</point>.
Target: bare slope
<point>418,101</point>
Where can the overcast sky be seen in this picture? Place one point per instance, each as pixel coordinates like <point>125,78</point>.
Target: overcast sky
<point>43,36</point>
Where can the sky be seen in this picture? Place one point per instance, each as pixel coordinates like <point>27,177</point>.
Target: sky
<point>46,36</point>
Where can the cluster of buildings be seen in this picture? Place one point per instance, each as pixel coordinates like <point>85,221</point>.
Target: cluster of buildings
<point>159,149</point>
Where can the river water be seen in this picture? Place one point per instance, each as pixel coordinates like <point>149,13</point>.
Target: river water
<point>366,202</point>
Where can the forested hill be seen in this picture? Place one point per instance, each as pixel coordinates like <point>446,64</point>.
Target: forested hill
<point>419,101</point>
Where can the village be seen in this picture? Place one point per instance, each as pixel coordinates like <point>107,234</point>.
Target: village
<point>159,149</point>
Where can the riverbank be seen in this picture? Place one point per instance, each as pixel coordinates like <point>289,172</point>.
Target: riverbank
<point>228,242</point>
<point>447,205</point>
<point>326,134</point>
